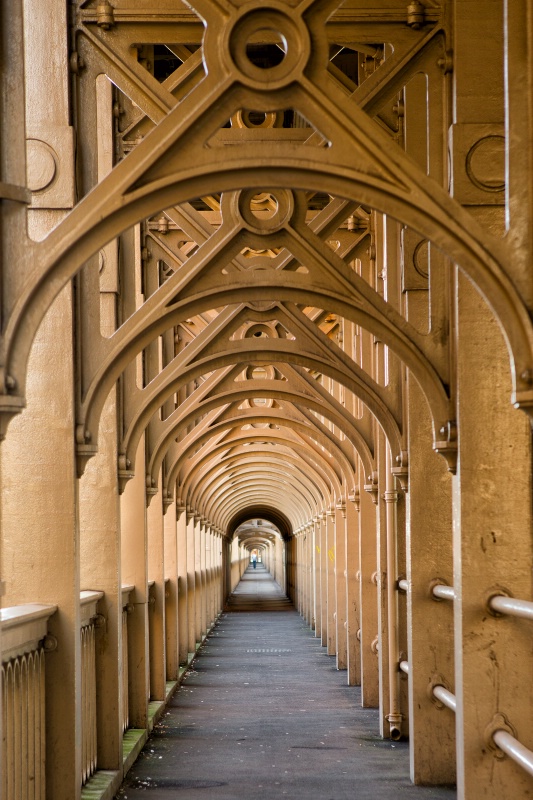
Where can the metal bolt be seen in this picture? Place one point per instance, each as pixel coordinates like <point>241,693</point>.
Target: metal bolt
<point>105,17</point>
<point>352,223</point>
<point>415,14</point>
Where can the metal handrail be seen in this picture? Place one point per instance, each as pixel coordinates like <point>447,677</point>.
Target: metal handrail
<point>445,697</point>
<point>514,749</point>
<point>500,603</point>
<point>443,592</point>
<point>511,606</point>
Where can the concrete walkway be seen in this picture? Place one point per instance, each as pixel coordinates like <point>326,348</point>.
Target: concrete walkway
<point>264,713</point>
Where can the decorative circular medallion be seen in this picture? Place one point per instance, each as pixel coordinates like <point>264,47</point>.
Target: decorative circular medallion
<point>286,39</point>
<point>41,165</point>
<point>485,163</point>
<point>265,213</point>
<point>260,373</point>
<point>421,258</point>
<point>101,261</point>
<point>257,119</point>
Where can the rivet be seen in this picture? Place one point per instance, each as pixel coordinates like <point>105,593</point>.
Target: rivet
<point>76,63</point>
<point>49,643</point>
<point>446,62</point>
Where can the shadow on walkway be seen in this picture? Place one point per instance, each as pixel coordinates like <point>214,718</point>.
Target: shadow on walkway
<point>264,713</point>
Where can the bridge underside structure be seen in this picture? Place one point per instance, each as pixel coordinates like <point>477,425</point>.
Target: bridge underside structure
<point>266,287</point>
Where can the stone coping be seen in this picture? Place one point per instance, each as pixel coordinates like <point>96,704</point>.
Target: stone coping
<point>23,628</point>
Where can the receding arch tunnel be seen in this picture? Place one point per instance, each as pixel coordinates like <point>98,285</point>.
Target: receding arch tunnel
<point>266,301</point>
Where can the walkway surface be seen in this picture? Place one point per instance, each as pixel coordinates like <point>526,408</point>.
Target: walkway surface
<point>264,713</point>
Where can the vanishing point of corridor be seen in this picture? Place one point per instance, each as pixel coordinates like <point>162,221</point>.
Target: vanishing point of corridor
<point>264,713</point>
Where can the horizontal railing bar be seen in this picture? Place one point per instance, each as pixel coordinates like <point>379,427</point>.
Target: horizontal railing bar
<point>403,585</point>
<point>511,606</point>
<point>404,666</point>
<point>514,749</point>
<point>446,698</point>
<point>443,592</point>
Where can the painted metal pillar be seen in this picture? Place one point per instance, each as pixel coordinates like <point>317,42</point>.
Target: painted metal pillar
<point>340,585</point>
<point>38,462</point>
<point>191,585</point>
<point>183,605</point>
<point>198,592</point>
<point>368,595</point>
<point>203,573</point>
<point>353,647</point>
<point>381,584</point>
<point>135,573</point>
<point>317,578</point>
<point>310,540</point>
<point>493,553</point>
<point>156,606</point>
<point>323,581</point>
<point>430,623</point>
<point>38,466</point>
<point>170,534</point>
<point>100,571</point>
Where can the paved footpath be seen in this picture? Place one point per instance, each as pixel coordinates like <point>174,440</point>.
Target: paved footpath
<point>264,714</point>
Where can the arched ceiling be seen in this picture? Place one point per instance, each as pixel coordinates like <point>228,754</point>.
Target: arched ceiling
<point>257,534</point>
<point>273,523</point>
<point>257,339</point>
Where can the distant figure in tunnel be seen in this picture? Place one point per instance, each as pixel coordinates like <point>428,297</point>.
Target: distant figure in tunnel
<point>254,560</point>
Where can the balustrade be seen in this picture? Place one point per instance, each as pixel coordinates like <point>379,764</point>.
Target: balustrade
<point>126,591</point>
<point>88,621</point>
<point>24,641</point>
